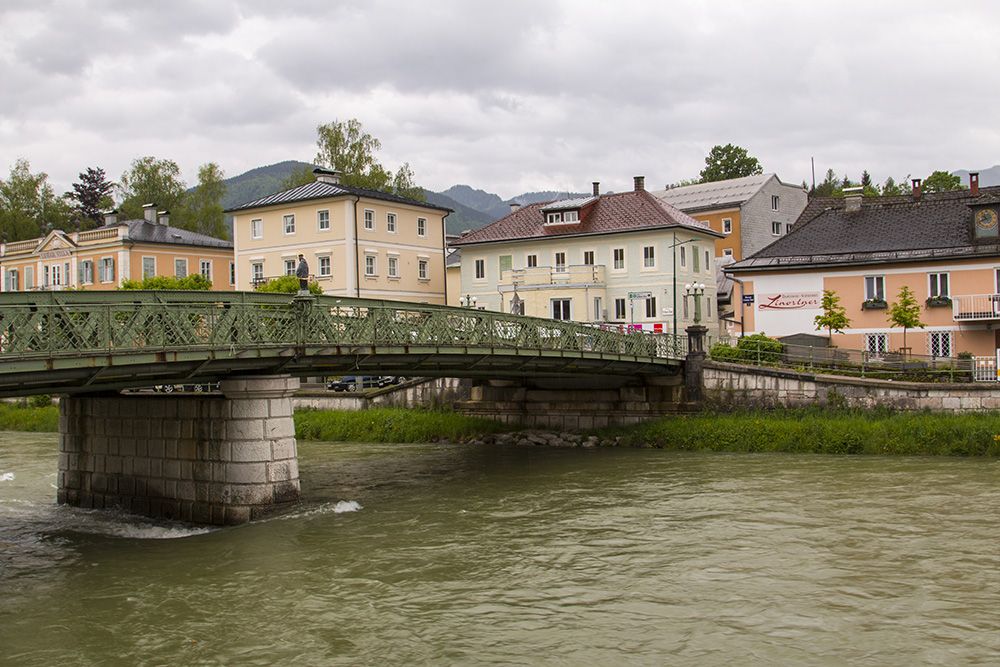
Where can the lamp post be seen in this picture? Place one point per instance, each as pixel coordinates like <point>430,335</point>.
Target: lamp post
<point>695,290</point>
<point>467,301</point>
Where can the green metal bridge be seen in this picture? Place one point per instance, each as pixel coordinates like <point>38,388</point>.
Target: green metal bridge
<point>79,342</point>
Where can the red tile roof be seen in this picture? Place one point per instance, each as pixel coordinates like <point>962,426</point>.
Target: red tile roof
<point>619,212</point>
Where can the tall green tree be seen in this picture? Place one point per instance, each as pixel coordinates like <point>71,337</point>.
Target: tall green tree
<point>905,312</point>
<point>92,194</point>
<point>891,188</point>
<point>205,203</point>
<point>347,148</point>
<point>153,181</point>
<point>301,175</point>
<point>729,161</point>
<point>834,316</point>
<point>28,206</point>
<point>942,181</point>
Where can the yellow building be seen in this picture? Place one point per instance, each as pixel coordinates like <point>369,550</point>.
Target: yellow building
<point>100,259</point>
<point>357,242</point>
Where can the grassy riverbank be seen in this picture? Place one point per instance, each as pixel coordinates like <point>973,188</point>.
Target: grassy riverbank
<point>35,419</point>
<point>818,431</point>
<point>390,425</point>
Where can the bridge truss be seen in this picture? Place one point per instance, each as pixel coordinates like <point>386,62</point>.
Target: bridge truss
<point>75,342</point>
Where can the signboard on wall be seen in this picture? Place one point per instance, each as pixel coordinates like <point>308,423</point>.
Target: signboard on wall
<point>790,301</point>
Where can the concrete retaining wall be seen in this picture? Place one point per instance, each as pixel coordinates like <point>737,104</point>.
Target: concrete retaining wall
<point>731,386</point>
<point>208,459</point>
<point>425,392</point>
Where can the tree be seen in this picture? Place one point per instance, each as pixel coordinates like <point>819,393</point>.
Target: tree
<point>287,284</point>
<point>942,181</point>
<point>28,205</point>
<point>834,317</point>
<point>205,206</point>
<point>92,195</point>
<point>347,148</point>
<point>729,161</point>
<point>152,181</point>
<point>301,175</point>
<point>891,188</point>
<point>905,312</point>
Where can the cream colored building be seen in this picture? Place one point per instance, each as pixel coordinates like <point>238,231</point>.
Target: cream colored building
<point>357,242</point>
<point>100,259</point>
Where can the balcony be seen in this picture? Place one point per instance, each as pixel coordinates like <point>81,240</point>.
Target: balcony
<point>573,274</point>
<point>976,307</point>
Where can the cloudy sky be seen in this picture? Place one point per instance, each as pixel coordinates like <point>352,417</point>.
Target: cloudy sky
<point>504,96</point>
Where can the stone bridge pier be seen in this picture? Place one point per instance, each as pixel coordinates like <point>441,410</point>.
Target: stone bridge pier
<point>202,458</point>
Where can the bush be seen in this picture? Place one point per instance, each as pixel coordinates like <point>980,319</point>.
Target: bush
<point>758,348</point>
<point>193,282</point>
<point>287,285</point>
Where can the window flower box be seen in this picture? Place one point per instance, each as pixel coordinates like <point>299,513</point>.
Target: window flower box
<point>874,304</point>
<point>938,301</point>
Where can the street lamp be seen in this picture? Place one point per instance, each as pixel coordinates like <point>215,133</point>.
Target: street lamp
<point>467,301</point>
<point>695,290</point>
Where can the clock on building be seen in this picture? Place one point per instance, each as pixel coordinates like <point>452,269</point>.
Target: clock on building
<point>986,222</point>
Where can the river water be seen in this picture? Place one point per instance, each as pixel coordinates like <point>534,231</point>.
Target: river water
<point>446,554</point>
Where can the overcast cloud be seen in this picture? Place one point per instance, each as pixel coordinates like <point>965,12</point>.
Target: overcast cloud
<point>505,97</point>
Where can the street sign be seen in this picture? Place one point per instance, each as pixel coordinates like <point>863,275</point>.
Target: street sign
<point>748,299</point>
<point>640,295</point>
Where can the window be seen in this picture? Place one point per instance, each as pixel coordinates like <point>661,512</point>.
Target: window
<point>618,257</point>
<point>370,265</point>
<point>876,345</point>
<point>53,276</point>
<point>939,343</point>
<point>480,266</point>
<point>875,288</point>
<point>205,266</point>
<point>232,273</point>
<point>148,267</point>
<point>651,307</point>
<point>597,309</point>
<point>180,268</point>
<point>393,266</point>
<point>323,221</point>
<point>708,265</point>
<point>421,227</point>
<point>649,257</point>
<point>29,277</point>
<point>562,217</point>
<point>560,309</point>
<point>776,229</point>
<point>422,269</point>
<point>324,267</point>
<point>506,264</point>
<point>369,220</point>
<point>727,252</point>
<point>708,307</point>
<point>727,226</point>
<point>938,284</point>
<point>288,224</point>
<point>257,229</point>
<point>257,273</point>
<point>588,257</point>
<point>10,280</point>
<point>775,202</point>
<point>85,271</point>
<point>390,223</point>
<point>620,308</point>
<point>694,259</point>
<point>788,227</point>
<point>531,261</point>
<point>106,269</point>
<point>684,261</point>
<point>684,308</point>
<point>560,262</point>
<point>290,267</point>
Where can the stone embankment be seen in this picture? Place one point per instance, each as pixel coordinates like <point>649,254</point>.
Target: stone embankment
<point>544,439</point>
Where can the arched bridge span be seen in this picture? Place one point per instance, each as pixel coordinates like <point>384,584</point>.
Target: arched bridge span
<point>78,342</point>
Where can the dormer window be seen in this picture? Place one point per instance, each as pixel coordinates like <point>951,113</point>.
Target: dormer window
<point>562,217</point>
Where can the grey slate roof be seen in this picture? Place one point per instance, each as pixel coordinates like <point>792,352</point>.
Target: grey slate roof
<point>731,192</point>
<point>149,232</point>
<point>322,190</point>
<point>885,229</point>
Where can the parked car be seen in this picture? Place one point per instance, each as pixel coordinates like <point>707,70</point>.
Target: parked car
<point>356,382</point>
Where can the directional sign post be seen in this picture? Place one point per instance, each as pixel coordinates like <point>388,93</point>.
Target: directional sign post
<point>640,295</point>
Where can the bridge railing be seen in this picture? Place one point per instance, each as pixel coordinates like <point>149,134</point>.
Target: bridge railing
<point>79,322</point>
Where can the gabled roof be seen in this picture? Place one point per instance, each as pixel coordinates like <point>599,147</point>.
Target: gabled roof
<point>150,232</point>
<point>718,194</point>
<point>606,214</point>
<point>323,190</point>
<point>885,229</point>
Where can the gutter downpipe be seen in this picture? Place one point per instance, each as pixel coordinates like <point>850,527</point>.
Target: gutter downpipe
<point>444,261</point>
<point>357,264</point>
<point>742,305</point>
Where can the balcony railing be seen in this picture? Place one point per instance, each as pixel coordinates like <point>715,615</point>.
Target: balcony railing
<point>593,274</point>
<point>975,307</point>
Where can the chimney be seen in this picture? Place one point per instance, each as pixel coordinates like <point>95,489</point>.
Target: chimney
<point>514,207</point>
<point>597,189</point>
<point>163,217</point>
<point>916,188</point>
<point>974,183</point>
<point>852,198</point>
<point>330,176</point>
<point>111,217</point>
<point>149,212</point>
<point>640,183</point>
